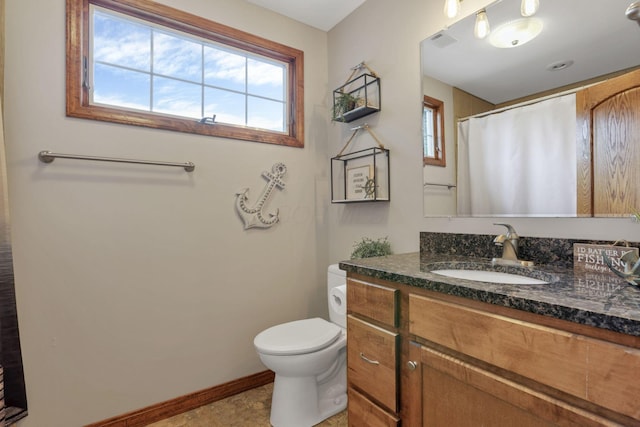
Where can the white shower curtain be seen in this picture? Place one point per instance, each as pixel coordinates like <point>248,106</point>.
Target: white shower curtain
<point>519,162</point>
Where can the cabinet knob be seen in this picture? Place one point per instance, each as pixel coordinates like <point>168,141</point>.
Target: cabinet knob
<point>412,365</point>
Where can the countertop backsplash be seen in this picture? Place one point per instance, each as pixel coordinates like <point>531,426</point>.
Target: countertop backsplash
<point>542,251</point>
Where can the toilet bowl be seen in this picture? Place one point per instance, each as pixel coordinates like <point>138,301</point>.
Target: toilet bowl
<point>309,359</point>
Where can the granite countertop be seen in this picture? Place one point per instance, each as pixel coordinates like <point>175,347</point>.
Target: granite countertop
<point>588,299</point>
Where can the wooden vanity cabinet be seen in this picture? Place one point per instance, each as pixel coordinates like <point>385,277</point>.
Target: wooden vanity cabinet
<point>500,371</point>
<point>372,355</point>
<point>466,363</point>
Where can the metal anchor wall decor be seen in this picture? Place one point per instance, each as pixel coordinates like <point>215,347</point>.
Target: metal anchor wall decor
<point>254,217</point>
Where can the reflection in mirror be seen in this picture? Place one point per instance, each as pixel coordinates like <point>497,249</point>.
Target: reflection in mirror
<point>472,77</point>
<point>519,162</point>
<point>433,132</point>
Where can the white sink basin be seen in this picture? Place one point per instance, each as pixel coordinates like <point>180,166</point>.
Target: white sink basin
<point>490,276</point>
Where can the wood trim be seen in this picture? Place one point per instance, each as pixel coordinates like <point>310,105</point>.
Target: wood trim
<point>169,408</point>
<point>77,48</point>
<point>437,107</point>
<point>584,150</point>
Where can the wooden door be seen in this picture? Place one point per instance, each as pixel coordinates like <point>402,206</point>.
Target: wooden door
<point>608,131</point>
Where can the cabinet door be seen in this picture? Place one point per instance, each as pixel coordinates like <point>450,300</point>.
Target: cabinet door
<point>459,394</point>
<point>608,118</point>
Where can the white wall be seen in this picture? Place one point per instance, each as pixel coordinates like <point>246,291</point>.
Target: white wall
<point>138,284</point>
<point>386,35</point>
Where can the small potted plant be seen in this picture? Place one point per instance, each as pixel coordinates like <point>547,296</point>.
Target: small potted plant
<point>367,248</point>
<point>343,103</point>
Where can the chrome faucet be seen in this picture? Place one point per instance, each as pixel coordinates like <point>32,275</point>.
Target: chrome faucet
<point>509,243</point>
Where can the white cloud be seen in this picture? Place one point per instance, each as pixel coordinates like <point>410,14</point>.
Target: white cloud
<point>177,57</point>
<point>262,73</point>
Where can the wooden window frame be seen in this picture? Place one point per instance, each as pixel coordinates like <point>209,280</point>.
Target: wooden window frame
<point>77,49</point>
<point>438,134</point>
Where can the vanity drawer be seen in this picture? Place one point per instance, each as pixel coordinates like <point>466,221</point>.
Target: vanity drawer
<point>530,350</point>
<point>372,360</point>
<point>373,301</point>
<point>363,412</point>
<point>597,371</point>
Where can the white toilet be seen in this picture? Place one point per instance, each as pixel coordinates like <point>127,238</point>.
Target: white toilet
<point>309,359</point>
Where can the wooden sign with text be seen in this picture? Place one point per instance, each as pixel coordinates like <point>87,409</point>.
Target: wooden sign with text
<point>593,275</point>
<point>589,257</point>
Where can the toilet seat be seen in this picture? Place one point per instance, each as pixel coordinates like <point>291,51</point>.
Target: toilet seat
<point>297,337</point>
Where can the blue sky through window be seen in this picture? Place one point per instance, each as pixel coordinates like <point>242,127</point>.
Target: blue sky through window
<point>140,66</point>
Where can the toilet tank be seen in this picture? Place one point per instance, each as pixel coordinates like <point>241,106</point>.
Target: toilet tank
<point>336,277</point>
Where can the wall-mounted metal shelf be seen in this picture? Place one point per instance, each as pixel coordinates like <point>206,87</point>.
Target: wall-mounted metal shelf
<point>361,176</point>
<point>358,97</point>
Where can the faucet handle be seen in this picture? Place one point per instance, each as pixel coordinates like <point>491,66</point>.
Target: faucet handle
<point>511,232</point>
<point>499,239</point>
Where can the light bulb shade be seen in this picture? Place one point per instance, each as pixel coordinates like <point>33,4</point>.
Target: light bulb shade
<point>529,7</point>
<point>481,29</point>
<point>451,8</point>
<point>633,11</point>
<point>516,33</point>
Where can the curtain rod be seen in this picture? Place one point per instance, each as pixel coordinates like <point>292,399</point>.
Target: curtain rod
<point>529,102</point>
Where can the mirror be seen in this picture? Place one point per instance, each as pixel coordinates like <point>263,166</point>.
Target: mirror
<point>580,43</point>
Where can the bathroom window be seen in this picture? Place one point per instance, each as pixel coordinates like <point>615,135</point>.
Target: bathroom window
<point>142,63</point>
<point>433,131</point>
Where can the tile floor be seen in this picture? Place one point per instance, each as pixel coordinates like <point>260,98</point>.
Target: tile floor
<point>248,409</point>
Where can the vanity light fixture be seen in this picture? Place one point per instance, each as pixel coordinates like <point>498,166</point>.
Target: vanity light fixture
<point>451,8</point>
<point>516,33</point>
<point>529,7</point>
<point>481,28</point>
<point>633,11</point>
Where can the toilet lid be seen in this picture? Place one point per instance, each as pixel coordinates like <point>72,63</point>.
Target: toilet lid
<point>297,337</point>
